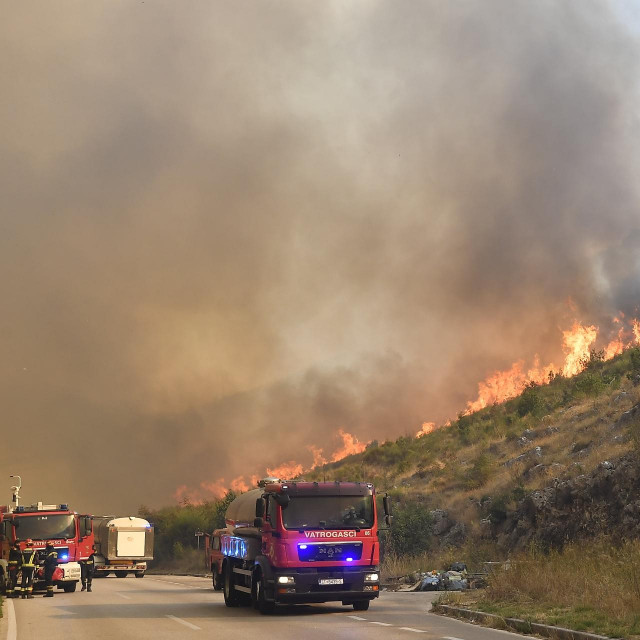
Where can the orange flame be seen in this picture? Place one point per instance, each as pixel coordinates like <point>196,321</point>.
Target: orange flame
<point>318,458</point>
<point>427,427</point>
<point>350,446</point>
<point>195,496</point>
<point>616,346</point>
<point>502,385</point>
<point>217,488</point>
<point>576,344</point>
<point>239,485</point>
<point>287,470</point>
<point>181,494</point>
<point>498,387</point>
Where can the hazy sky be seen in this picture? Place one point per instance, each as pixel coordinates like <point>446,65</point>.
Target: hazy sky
<point>229,229</point>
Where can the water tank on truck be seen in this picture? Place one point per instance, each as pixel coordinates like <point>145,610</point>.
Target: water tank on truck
<point>123,546</point>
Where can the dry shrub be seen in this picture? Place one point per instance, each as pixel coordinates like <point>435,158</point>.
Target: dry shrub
<point>473,554</point>
<point>604,576</point>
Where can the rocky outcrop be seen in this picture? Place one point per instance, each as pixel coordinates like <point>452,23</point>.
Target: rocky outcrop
<point>606,501</point>
<point>447,532</point>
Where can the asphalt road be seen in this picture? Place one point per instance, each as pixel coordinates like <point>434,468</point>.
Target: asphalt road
<point>159,607</point>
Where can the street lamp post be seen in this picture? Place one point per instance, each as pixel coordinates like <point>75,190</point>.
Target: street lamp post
<point>16,491</point>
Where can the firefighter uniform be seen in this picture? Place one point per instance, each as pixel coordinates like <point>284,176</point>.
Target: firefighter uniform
<point>50,564</point>
<point>29,561</point>
<point>15,561</point>
<point>86,567</point>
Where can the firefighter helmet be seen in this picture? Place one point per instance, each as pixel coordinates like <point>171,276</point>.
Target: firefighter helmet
<point>29,541</point>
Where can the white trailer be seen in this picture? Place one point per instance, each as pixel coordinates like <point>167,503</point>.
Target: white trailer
<point>123,546</point>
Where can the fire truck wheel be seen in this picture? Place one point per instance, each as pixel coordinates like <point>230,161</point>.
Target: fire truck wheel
<point>139,574</point>
<point>264,606</point>
<point>218,582</point>
<point>230,594</point>
<point>69,587</point>
<point>121,574</point>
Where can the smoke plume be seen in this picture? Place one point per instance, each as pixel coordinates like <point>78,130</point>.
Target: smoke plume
<point>229,231</point>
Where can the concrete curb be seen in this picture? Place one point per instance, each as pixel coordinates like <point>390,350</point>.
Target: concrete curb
<point>515,624</point>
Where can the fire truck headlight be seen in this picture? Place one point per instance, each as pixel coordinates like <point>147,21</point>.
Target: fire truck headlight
<point>286,580</point>
<point>371,577</point>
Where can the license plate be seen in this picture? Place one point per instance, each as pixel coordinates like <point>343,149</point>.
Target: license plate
<point>330,581</point>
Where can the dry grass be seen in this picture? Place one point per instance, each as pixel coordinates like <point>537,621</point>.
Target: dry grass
<point>586,422</point>
<point>591,587</point>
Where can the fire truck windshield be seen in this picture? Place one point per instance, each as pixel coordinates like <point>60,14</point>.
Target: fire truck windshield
<point>45,527</point>
<point>328,512</point>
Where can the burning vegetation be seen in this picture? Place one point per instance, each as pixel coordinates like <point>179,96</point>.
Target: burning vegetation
<point>578,347</point>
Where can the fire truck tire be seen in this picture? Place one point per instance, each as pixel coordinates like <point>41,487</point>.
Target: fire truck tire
<point>69,587</point>
<point>264,606</point>
<point>139,574</point>
<point>361,605</point>
<point>217,579</point>
<point>231,598</point>
<point>121,574</point>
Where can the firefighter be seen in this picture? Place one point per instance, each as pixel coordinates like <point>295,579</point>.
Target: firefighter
<point>86,567</point>
<point>50,564</point>
<point>29,561</point>
<point>15,561</point>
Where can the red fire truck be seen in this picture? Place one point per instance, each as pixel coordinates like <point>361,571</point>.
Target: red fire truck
<point>301,542</point>
<point>70,533</point>
<point>214,557</point>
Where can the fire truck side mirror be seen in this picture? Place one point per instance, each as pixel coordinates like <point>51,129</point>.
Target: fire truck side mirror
<point>386,502</point>
<point>283,499</point>
<point>258,523</point>
<point>87,526</point>
<point>261,507</point>
<point>388,520</point>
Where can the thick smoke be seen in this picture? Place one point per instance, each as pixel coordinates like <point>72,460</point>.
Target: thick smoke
<point>229,231</point>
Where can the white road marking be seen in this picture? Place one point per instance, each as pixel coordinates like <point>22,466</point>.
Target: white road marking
<point>382,624</point>
<point>12,630</point>
<point>184,622</point>
<point>356,618</point>
<point>123,596</point>
<point>180,584</point>
<point>412,629</point>
<point>451,638</point>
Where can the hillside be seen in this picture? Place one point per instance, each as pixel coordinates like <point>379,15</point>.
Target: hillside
<point>556,463</point>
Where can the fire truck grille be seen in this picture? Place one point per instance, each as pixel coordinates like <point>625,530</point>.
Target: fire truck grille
<point>323,552</point>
